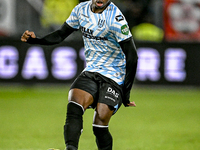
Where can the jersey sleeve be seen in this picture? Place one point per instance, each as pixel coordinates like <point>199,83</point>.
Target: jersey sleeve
<point>120,28</point>
<point>73,20</point>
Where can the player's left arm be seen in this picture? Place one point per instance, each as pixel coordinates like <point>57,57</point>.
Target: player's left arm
<point>129,49</point>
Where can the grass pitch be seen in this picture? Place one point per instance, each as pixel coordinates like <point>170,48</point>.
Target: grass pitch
<point>32,118</point>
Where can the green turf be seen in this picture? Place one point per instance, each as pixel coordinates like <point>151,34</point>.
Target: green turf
<point>32,118</point>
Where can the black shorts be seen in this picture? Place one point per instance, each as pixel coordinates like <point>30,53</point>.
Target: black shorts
<point>103,89</point>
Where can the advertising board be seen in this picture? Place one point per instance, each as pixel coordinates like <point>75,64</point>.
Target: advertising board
<point>158,63</point>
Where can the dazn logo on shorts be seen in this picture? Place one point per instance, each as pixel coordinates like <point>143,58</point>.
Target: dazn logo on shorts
<point>110,90</point>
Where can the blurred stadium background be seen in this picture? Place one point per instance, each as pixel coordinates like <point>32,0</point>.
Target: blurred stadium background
<point>34,80</point>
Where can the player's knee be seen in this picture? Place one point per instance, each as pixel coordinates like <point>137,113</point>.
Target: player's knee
<point>101,120</point>
<point>81,97</point>
<point>74,113</point>
<point>102,117</point>
<point>74,109</point>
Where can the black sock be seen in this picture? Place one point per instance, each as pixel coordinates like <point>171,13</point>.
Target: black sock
<point>73,124</point>
<point>70,147</point>
<point>103,138</point>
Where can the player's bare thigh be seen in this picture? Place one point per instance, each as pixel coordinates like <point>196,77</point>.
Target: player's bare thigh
<point>81,97</point>
<point>102,114</point>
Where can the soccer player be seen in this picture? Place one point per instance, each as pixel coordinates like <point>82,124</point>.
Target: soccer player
<point>106,81</point>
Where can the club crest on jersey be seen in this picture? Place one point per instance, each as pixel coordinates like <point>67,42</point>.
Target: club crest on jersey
<point>101,23</point>
<point>119,18</point>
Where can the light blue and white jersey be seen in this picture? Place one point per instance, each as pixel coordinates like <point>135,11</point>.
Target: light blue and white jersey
<point>101,34</point>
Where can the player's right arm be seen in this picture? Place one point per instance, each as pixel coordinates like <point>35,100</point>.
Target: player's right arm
<point>50,39</point>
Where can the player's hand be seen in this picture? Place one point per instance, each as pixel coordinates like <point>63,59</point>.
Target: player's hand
<point>132,104</point>
<point>26,35</point>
